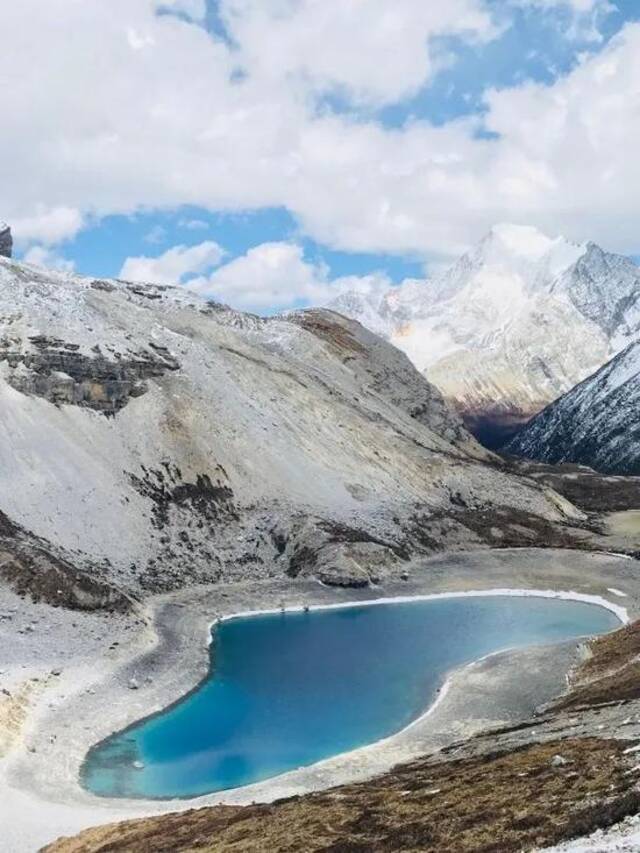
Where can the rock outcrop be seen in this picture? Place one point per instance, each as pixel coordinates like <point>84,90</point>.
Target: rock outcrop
<point>56,370</point>
<point>6,240</point>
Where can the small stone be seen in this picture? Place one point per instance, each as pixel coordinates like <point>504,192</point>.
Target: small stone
<point>138,765</point>
<point>133,684</point>
<point>56,672</point>
<point>558,761</point>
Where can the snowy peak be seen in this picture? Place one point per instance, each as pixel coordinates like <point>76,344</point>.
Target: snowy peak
<point>605,288</point>
<point>519,251</point>
<point>518,320</point>
<point>509,242</point>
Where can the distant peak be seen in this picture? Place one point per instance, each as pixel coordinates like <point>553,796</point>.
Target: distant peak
<point>523,240</point>
<point>525,244</point>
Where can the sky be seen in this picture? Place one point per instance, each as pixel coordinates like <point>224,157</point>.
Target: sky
<point>274,153</point>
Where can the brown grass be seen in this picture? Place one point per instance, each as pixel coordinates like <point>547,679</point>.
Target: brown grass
<point>338,336</point>
<point>611,674</point>
<point>491,804</point>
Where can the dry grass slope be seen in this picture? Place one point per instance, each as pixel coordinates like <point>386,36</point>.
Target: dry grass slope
<point>496,803</point>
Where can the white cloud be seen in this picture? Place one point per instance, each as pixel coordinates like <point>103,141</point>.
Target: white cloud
<point>41,256</point>
<point>374,51</point>
<point>115,127</point>
<point>276,276</point>
<point>269,275</point>
<point>175,265</point>
<point>141,111</point>
<point>47,225</point>
<point>193,224</point>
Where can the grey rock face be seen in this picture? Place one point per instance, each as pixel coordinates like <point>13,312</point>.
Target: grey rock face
<point>6,240</point>
<point>55,370</point>
<point>594,424</point>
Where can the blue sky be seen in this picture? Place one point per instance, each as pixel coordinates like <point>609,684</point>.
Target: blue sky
<point>509,46</point>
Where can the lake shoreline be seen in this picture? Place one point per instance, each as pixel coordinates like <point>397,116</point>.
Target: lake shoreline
<point>134,762</point>
<point>171,653</point>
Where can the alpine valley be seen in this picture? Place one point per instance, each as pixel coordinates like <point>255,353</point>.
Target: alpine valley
<point>512,325</point>
<point>169,463</point>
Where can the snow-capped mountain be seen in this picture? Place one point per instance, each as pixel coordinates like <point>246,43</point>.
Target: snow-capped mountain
<point>512,325</point>
<point>597,423</point>
<point>157,439</point>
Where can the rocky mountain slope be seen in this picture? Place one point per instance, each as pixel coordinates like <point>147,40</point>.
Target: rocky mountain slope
<point>515,323</point>
<point>150,439</point>
<point>595,424</point>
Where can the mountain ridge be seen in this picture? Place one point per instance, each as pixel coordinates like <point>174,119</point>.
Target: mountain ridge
<point>517,321</point>
<point>595,423</point>
<point>152,438</point>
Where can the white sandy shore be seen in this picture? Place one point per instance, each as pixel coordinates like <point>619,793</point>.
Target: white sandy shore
<point>570,595</point>
<point>93,700</point>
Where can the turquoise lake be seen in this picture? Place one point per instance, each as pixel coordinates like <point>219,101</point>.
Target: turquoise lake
<point>287,690</point>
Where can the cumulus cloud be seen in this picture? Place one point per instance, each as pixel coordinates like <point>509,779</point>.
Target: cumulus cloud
<point>174,116</point>
<point>47,225</point>
<point>269,275</point>
<point>41,256</point>
<point>276,275</point>
<point>144,111</point>
<point>374,51</point>
<point>175,265</point>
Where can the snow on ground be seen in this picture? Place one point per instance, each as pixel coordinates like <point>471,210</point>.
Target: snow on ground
<point>622,838</point>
